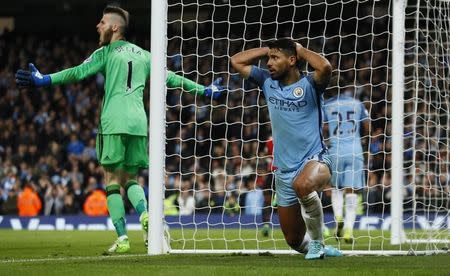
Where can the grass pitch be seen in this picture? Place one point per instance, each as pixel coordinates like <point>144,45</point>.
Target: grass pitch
<point>83,253</point>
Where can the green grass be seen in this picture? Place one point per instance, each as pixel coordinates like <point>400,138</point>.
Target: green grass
<point>82,252</point>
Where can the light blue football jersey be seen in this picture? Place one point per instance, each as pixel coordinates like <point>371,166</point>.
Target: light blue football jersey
<point>296,118</point>
<point>344,116</point>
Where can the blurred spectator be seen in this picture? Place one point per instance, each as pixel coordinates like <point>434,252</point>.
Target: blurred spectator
<point>78,195</point>
<point>96,204</point>
<point>186,203</point>
<point>69,208</point>
<point>9,180</point>
<point>232,207</point>
<point>171,205</point>
<point>89,151</point>
<point>28,202</point>
<point>75,146</point>
<point>54,200</point>
<point>10,204</point>
<point>254,199</point>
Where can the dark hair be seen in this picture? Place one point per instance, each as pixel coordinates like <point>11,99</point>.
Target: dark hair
<point>285,45</point>
<point>120,12</point>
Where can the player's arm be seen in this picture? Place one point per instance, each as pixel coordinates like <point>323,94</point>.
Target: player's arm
<point>33,78</point>
<point>215,89</point>
<point>173,80</point>
<point>242,62</point>
<point>321,65</point>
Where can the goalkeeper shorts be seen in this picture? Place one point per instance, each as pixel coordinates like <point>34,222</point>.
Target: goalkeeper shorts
<point>284,179</point>
<point>122,151</point>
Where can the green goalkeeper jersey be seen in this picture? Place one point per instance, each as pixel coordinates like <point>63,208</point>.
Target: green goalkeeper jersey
<point>126,68</point>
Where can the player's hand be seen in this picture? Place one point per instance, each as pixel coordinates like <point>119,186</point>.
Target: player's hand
<point>299,50</point>
<point>31,77</point>
<point>215,89</point>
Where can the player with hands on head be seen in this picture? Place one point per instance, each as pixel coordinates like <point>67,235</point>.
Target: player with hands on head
<point>300,155</point>
<point>122,140</point>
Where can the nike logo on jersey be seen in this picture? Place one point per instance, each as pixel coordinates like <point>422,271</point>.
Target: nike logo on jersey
<point>272,86</point>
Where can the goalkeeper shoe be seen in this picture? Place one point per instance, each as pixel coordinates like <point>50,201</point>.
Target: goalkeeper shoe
<point>121,245</point>
<point>330,251</point>
<point>144,223</point>
<point>348,235</point>
<point>315,250</point>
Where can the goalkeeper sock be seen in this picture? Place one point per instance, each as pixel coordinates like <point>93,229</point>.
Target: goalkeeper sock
<point>337,201</point>
<point>136,196</point>
<point>313,215</point>
<point>116,208</point>
<point>351,201</point>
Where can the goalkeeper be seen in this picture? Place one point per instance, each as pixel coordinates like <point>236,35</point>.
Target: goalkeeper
<point>122,137</point>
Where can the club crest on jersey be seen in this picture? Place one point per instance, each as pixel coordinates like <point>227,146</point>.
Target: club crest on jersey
<point>298,92</point>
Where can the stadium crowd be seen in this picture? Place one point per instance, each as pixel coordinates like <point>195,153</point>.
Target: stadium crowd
<point>217,159</point>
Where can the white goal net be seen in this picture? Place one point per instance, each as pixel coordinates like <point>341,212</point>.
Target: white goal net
<point>219,193</point>
<point>427,109</point>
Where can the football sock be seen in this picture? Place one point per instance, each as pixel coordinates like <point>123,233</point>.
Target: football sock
<point>313,215</point>
<point>116,208</point>
<point>337,201</point>
<point>350,210</point>
<point>136,196</point>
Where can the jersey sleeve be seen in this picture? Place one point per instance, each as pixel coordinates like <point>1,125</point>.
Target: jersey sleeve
<point>176,81</point>
<point>258,76</point>
<point>319,88</point>
<point>92,65</point>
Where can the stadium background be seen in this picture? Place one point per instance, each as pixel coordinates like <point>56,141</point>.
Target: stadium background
<point>47,135</point>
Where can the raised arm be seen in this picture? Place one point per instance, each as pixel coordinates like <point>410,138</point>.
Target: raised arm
<point>320,64</point>
<point>175,81</point>
<point>213,90</point>
<point>92,65</point>
<point>33,78</point>
<point>242,62</point>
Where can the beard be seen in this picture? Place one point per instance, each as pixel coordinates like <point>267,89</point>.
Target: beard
<point>105,37</point>
<point>279,75</point>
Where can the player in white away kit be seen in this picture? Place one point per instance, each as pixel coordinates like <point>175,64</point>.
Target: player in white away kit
<point>300,156</point>
<point>346,119</point>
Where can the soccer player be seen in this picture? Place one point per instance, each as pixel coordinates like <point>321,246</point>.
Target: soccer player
<point>300,155</point>
<point>346,118</point>
<point>122,138</point>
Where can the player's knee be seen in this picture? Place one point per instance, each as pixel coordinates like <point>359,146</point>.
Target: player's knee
<point>305,186</point>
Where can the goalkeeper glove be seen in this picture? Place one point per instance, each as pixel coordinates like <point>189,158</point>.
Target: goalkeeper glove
<point>215,89</point>
<point>32,77</point>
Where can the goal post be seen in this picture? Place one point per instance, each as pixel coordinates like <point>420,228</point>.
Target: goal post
<point>157,126</point>
<point>210,160</point>
<point>398,80</point>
